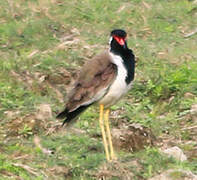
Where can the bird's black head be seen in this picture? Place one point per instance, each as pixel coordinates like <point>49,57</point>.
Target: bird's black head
<point>118,40</point>
<point>119,33</point>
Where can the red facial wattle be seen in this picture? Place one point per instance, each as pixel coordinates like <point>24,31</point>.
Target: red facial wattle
<point>120,40</point>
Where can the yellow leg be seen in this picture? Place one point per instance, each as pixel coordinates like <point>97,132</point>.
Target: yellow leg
<point>109,134</point>
<point>103,132</point>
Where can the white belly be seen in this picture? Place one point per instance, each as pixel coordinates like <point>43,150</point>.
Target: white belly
<point>119,86</point>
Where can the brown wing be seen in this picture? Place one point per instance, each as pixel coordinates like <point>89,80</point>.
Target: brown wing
<point>94,80</point>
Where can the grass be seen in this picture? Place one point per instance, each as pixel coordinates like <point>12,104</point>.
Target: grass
<point>42,44</point>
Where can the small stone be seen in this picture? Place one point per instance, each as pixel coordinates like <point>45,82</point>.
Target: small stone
<point>176,153</point>
<point>173,174</point>
<point>189,95</point>
<point>194,108</point>
<point>44,112</point>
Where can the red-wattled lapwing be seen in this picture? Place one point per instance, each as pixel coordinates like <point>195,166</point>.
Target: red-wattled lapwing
<point>103,80</point>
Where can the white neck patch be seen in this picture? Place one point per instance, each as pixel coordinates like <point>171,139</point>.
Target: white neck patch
<point>119,87</point>
<point>110,40</point>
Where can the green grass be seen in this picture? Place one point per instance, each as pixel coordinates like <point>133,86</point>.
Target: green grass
<point>43,43</point>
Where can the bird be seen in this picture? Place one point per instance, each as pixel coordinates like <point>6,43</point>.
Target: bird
<point>102,81</point>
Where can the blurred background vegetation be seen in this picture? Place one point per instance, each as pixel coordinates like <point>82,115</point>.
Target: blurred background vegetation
<point>42,46</point>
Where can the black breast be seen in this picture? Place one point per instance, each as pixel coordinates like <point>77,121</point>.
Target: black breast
<point>129,63</point>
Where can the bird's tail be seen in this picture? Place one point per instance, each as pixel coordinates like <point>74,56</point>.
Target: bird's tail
<point>70,116</point>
